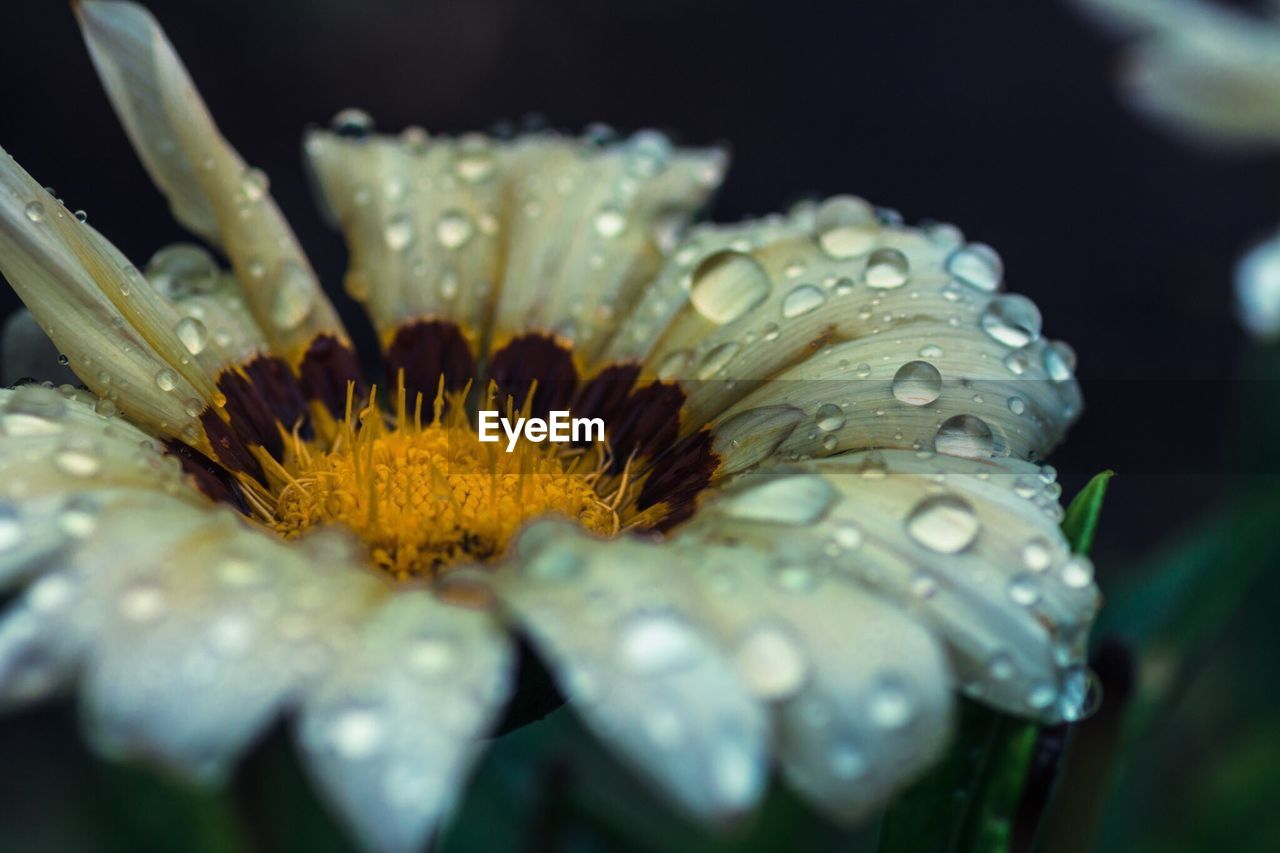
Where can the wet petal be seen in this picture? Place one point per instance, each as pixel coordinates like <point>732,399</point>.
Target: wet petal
<point>209,187</point>
<point>540,234</point>
<point>972,549</point>
<point>861,687</point>
<point>620,626</point>
<point>1205,68</point>
<point>392,732</point>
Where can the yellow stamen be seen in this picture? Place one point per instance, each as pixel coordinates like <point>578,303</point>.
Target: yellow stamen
<point>425,496</point>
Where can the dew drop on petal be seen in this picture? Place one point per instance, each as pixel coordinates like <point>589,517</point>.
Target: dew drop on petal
<point>917,383</point>
<point>945,523</point>
<point>889,703</point>
<point>293,297</point>
<point>657,642</point>
<point>886,269</point>
<point>1012,319</point>
<point>717,359</point>
<point>398,232</point>
<point>771,661</point>
<point>193,334</point>
<point>356,733</point>
<point>977,265</point>
<point>967,436</point>
<point>1023,590</point>
<point>1077,572</point>
<point>143,601</point>
<point>801,300</point>
<point>610,222</point>
<point>454,229</point>
<point>35,211</point>
<point>830,417</point>
<point>847,227</point>
<point>726,285</point>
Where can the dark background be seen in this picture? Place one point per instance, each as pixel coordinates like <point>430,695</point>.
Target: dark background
<point>1001,116</point>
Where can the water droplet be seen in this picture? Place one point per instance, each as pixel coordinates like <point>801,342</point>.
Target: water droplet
<point>801,300</point>
<point>771,662</point>
<point>923,584</point>
<point>1041,696</point>
<point>726,285</point>
<point>1011,319</point>
<point>1000,666</point>
<point>81,216</point>
<point>965,435</point>
<point>658,642</point>
<point>717,359</point>
<point>886,269</point>
<point>977,265</point>
<point>847,761</point>
<point>166,379</point>
<point>353,123</point>
<point>794,499</point>
<point>398,232</point>
<point>35,211</point>
<point>1037,554</point>
<point>943,523</point>
<point>293,297</point>
<point>1081,695</point>
<point>193,334</point>
<point>1017,405</point>
<point>356,734</point>
<point>143,601</point>
<point>846,227</point>
<point>610,222</point>
<point>1023,590</point>
<point>77,463</point>
<point>474,166</point>
<point>454,229</point>
<point>917,383</point>
<point>1077,572</point>
<point>11,535</point>
<point>889,702</point>
<point>830,417</point>
<point>430,656</point>
<point>848,536</point>
<point>675,364</point>
<point>1059,361</point>
<point>254,185</point>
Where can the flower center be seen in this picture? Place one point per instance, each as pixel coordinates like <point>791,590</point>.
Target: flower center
<point>423,496</point>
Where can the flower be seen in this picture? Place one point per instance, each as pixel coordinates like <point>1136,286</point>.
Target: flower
<point>1214,73</point>
<point>818,513</point>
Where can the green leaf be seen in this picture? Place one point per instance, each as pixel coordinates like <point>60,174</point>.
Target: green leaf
<point>1081,521</point>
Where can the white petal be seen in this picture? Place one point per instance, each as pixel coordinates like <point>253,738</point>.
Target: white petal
<point>862,688</point>
<point>972,549</point>
<point>619,625</point>
<point>208,186</point>
<point>543,233</point>
<point>1258,290</point>
<point>391,734</point>
<point>1203,67</point>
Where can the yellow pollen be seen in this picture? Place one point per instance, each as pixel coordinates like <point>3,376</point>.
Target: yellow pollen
<point>423,496</point>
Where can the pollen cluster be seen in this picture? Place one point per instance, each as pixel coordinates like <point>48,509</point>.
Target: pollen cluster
<point>422,495</point>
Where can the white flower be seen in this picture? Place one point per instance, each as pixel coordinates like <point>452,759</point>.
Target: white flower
<point>817,516</point>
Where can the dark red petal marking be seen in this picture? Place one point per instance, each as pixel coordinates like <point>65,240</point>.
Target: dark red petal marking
<point>647,424</point>
<point>677,476</point>
<point>426,350</point>
<point>604,395</point>
<point>326,369</point>
<point>211,478</point>
<point>228,447</point>
<point>262,400</point>
<point>534,357</point>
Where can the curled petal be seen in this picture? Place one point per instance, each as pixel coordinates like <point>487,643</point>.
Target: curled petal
<point>209,188</point>
<point>392,731</point>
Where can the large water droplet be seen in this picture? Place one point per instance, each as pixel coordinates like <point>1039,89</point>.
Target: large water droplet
<point>658,642</point>
<point>830,417</point>
<point>771,661</point>
<point>793,499</point>
<point>717,359</point>
<point>917,383</point>
<point>726,285</point>
<point>293,297</point>
<point>943,523</point>
<point>610,222</point>
<point>965,435</point>
<point>356,733</point>
<point>193,334</point>
<point>398,232</point>
<point>801,300</point>
<point>35,211</point>
<point>847,227</point>
<point>977,265</point>
<point>889,703</point>
<point>886,269</point>
<point>1012,319</point>
<point>353,123</point>
<point>1077,572</point>
<point>454,229</point>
